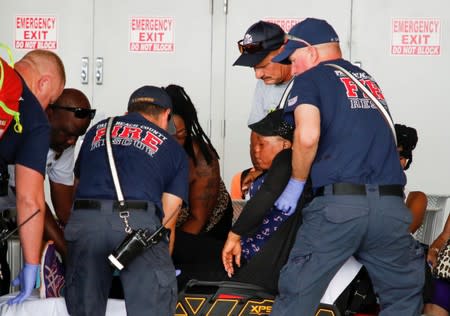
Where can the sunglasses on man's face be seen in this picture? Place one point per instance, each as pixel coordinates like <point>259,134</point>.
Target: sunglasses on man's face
<point>78,112</point>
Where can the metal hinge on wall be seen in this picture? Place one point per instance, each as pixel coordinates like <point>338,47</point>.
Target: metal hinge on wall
<point>225,6</point>
<point>224,128</point>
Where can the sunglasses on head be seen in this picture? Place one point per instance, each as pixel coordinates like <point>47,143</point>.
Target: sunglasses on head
<point>78,112</point>
<point>252,48</point>
<point>249,48</point>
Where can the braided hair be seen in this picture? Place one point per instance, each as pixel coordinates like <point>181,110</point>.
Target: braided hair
<point>183,106</point>
<point>407,140</point>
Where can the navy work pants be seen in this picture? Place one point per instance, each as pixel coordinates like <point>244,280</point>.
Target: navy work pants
<point>371,227</point>
<point>149,282</point>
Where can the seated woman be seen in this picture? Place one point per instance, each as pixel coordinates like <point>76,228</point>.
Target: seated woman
<point>259,243</point>
<point>264,231</point>
<point>416,201</point>
<point>204,224</point>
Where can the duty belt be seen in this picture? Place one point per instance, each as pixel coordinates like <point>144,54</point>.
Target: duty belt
<point>101,204</point>
<point>359,189</point>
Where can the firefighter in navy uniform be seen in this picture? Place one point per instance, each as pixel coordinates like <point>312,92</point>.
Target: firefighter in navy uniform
<point>344,143</point>
<point>153,172</point>
<point>40,77</point>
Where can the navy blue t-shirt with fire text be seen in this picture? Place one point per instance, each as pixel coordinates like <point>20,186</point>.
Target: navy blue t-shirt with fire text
<point>148,160</point>
<point>356,144</point>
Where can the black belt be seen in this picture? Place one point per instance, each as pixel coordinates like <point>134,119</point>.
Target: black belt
<point>97,205</point>
<point>360,189</point>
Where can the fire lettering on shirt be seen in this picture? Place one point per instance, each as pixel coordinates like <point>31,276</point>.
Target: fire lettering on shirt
<point>131,132</point>
<point>351,88</point>
<point>152,141</point>
<point>125,135</point>
<point>99,134</point>
<point>374,89</point>
<point>115,130</point>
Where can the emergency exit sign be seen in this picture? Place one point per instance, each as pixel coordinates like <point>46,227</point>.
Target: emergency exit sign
<point>416,36</point>
<point>151,34</point>
<point>36,32</point>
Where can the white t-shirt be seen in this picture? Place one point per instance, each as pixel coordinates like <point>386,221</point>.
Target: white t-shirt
<point>266,98</point>
<point>61,169</point>
<point>58,170</point>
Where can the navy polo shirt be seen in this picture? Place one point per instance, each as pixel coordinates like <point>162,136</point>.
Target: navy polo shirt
<point>30,147</point>
<point>356,145</point>
<point>148,160</point>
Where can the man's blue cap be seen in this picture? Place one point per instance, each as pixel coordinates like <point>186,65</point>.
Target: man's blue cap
<point>151,95</point>
<point>310,30</point>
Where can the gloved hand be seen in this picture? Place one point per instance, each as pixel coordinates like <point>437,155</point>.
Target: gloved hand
<point>26,280</point>
<point>287,201</point>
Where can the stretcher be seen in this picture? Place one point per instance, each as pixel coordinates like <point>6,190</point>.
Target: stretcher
<point>350,292</point>
<point>231,298</point>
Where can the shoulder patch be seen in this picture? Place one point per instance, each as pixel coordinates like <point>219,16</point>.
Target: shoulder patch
<point>292,101</point>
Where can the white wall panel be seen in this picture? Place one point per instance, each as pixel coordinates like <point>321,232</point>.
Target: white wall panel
<point>415,86</point>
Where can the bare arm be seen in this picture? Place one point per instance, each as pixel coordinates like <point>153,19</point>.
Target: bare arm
<point>62,199</point>
<point>306,140</point>
<point>29,198</point>
<point>417,202</point>
<point>171,204</point>
<point>52,231</point>
<point>203,193</point>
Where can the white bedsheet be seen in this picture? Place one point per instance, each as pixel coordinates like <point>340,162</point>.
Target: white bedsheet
<point>34,306</point>
<point>343,277</point>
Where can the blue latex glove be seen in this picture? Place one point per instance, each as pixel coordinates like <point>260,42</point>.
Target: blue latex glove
<point>287,201</point>
<point>27,281</point>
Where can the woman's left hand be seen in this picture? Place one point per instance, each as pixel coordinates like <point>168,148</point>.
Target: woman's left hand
<point>231,250</point>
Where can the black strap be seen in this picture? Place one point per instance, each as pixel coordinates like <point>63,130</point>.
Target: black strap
<point>360,189</point>
<point>97,205</point>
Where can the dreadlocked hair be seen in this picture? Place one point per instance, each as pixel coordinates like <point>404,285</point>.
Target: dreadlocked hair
<point>183,106</point>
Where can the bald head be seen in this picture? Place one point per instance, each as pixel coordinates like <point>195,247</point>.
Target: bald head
<point>73,98</point>
<point>328,51</point>
<point>67,124</point>
<point>310,56</point>
<point>43,72</point>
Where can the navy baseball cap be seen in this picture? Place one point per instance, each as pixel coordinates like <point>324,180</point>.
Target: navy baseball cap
<point>273,125</point>
<point>154,96</point>
<point>305,33</point>
<point>260,39</point>
<point>151,95</point>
